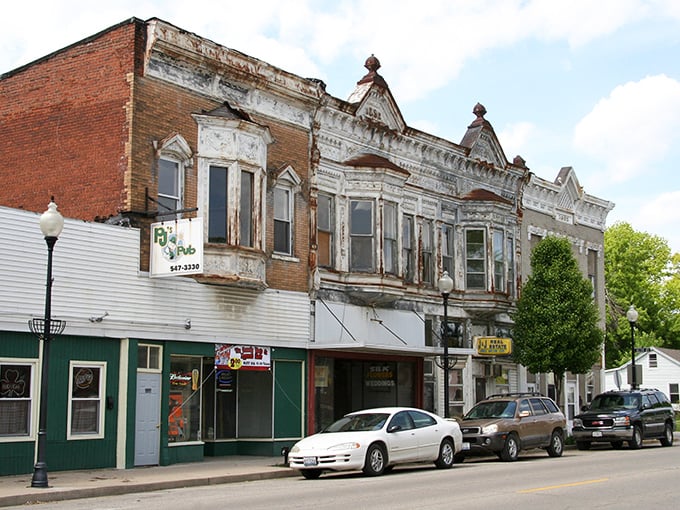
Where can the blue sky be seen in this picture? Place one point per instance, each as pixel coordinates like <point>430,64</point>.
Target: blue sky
<point>592,84</point>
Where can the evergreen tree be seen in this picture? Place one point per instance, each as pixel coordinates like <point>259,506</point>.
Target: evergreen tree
<point>556,322</point>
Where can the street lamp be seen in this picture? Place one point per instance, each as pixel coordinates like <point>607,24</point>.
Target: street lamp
<point>51,225</point>
<point>632,316</point>
<point>445,285</point>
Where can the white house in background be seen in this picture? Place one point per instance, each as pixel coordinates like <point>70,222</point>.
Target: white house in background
<point>660,369</point>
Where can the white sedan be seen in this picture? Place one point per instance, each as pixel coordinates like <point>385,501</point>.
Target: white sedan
<point>375,440</point>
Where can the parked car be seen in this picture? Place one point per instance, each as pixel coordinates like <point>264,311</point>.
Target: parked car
<point>631,416</point>
<point>375,440</point>
<point>506,424</point>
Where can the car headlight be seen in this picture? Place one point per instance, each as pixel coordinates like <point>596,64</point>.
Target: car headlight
<point>578,422</point>
<point>345,446</point>
<point>490,429</point>
<point>295,449</point>
<point>622,421</point>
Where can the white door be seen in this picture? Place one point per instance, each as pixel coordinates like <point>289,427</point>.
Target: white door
<point>147,419</point>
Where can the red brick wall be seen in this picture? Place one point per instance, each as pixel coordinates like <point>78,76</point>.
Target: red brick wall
<point>64,127</point>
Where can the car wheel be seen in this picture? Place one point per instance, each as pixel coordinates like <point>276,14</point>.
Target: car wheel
<point>510,450</point>
<point>617,445</point>
<point>636,442</point>
<point>583,445</point>
<point>667,439</point>
<point>376,460</point>
<point>556,445</point>
<point>446,451</point>
<point>311,474</point>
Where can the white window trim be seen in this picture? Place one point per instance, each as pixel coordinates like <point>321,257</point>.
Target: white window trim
<point>160,358</point>
<point>175,148</point>
<point>485,288</point>
<point>102,399</point>
<point>35,399</point>
<point>290,181</point>
<point>372,236</point>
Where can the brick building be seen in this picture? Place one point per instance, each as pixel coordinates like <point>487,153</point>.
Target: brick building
<point>326,225</point>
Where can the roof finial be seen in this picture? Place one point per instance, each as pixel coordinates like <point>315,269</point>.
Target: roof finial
<point>479,111</point>
<point>372,64</point>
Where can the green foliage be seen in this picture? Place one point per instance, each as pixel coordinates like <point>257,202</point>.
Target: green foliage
<point>556,322</point>
<point>640,270</point>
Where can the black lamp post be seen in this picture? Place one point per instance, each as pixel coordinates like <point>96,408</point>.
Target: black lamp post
<point>632,316</point>
<point>445,285</point>
<point>51,225</point>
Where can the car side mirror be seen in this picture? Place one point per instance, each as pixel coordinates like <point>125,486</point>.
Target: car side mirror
<point>393,428</point>
<point>524,414</point>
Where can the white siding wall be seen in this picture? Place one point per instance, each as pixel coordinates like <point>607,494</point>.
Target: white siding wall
<point>96,270</point>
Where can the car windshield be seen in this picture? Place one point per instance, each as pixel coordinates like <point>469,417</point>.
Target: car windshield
<point>500,409</point>
<point>358,423</point>
<point>615,402</point>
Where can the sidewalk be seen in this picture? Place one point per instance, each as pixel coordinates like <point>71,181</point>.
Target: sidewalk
<point>65,485</point>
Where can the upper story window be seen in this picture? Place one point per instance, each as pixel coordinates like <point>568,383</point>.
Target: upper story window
<point>174,155</point>
<point>407,248</point>
<point>447,249</point>
<point>217,209</point>
<point>245,210</point>
<point>427,273</point>
<point>287,183</point>
<point>475,259</point>
<point>324,236</point>
<point>282,221</point>
<point>361,233</point>
<point>498,262</point>
<point>390,249</point>
<point>653,363</point>
<point>510,256</point>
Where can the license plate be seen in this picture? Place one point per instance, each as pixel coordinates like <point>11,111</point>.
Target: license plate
<point>310,461</point>
<point>466,446</point>
<point>597,433</point>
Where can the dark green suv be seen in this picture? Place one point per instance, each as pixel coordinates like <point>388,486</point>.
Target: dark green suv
<point>629,415</point>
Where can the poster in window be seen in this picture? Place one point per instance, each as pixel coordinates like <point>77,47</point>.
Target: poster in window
<point>242,357</point>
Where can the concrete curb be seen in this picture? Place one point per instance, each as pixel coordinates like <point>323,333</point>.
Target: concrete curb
<point>49,495</point>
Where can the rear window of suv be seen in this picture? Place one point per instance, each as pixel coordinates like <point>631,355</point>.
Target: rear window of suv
<point>551,406</point>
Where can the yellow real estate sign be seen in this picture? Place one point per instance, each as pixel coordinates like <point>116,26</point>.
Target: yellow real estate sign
<point>493,346</point>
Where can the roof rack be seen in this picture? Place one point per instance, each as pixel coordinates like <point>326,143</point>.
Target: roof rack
<point>517,394</point>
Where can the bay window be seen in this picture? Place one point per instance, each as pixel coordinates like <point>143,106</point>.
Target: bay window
<point>427,248</point>
<point>447,249</point>
<point>407,250</point>
<point>225,203</point>
<point>498,262</point>
<point>510,256</point>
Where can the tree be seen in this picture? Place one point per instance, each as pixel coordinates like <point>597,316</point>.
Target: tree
<point>640,271</point>
<point>556,322</point>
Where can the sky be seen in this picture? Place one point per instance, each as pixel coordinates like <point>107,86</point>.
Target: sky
<point>591,84</point>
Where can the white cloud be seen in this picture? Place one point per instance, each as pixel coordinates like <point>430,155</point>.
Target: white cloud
<point>632,128</point>
<point>515,137</point>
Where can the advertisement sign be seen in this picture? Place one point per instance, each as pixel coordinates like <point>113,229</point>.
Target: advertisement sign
<point>493,346</point>
<point>176,247</point>
<point>242,357</point>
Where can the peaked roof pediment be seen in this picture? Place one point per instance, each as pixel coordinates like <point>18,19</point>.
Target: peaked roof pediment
<point>374,101</point>
<point>485,195</point>
<point>375,161</point>
<point>482,141</point>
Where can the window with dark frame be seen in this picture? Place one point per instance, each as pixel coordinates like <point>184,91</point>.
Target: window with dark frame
<point>16,398</point>
<point>217,204</point>
<point>498,262</point>
<point>245,211</point>
<point>447,249</point>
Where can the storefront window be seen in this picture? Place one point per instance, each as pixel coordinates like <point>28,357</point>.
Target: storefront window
<point>86,390</point>
<point>184,417</point>
<point>16,398</point>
